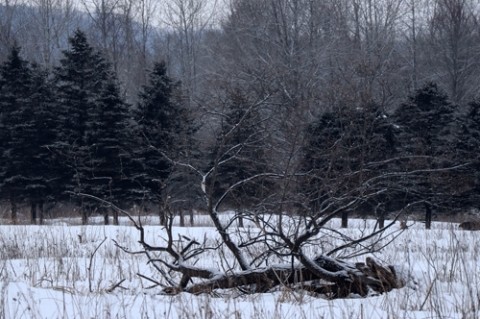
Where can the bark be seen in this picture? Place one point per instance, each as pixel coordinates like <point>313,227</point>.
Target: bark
<point>192,219</point>
<point>162,216</point>
<point>41,212</point>
<point>84,216</point>
<point>115,217</point>
<point>240,221</point>
<point>381,217</point>
<point>428,216</point>
<point>337,279</point>
<point>344,219</point>
<point>182,218</point>
<point>13,207</point>
<point>106,220</point>
<point>381,221</point>
<point>33,213</point>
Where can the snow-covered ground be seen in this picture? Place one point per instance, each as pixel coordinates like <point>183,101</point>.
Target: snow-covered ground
<point>70,271</point>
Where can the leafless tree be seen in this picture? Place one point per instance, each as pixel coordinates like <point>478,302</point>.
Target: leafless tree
<point>54,20</point>
<point>453,34</point>
<point>187,21</point>
<point>7,28</point>
<point>276,248</point>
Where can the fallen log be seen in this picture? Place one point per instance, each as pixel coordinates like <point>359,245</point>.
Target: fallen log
<point>336,279</point>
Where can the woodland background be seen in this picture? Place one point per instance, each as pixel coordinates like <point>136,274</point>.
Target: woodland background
<point>349,106</point>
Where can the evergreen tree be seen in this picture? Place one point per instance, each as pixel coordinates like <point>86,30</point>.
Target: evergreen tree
<point>43,185</point>
<point>94,120</point>
<point>467,182</point>
<point>426,133</point>
<point>342,151</point>
<point>26,132</point>
<point>107,145</point>
<point>240,153</point>
<point>162,126</point>
<point>15,84</point>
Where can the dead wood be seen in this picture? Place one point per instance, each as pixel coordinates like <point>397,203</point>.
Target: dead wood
<point>339,280</point>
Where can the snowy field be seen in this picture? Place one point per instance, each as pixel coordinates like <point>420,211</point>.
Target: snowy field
<point>64,270</point>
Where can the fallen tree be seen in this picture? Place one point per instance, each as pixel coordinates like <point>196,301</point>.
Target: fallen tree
<point>323,275</point>
<point>276,249</point>
<point>332,278</point>
<point>271,253</point>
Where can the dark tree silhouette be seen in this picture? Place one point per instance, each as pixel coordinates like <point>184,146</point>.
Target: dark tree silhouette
<point>426,132</point>
<point>27,129</point>
<point>163,127</point>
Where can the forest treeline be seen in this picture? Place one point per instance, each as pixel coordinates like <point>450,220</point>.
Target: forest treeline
<point>313,107</point>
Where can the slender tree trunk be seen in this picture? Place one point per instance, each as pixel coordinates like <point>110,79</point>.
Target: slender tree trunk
<point>41,212</point>
<point>381,216</point>
<point>84,216</point>
<point>13,207</point>
<point>33,212</point>
<point>161,215</point>
<point>239,216</point>
<point>381,221</point>
<point>192,220</point>
<point>344,219</point>
<point>106,220</point>
<point>115,217</point>
<point>182,217</point>
<point>428,215</point>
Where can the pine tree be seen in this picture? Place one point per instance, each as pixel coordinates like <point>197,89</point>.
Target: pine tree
<point>43,184</point>
<point>107,143</point>
<point>94,120</point>
<point>426,132</point>
<point>15,90</point>
<point>468,143</point>
<point>162,125</point>
<point>340,154</point>
<point>26,132</point>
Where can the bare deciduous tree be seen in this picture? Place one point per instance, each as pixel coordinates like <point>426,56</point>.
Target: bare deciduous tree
<point>453,34</point>
<point>276,248</point>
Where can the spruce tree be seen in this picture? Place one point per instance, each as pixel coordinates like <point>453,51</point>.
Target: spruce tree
<point>162,125</point>
<point>426,130</point>
<point>15,83</point>
<point>107,145</point>
<point>240,153</point>
<point>27,130</point>
<point>340,155</point>
<point>94,119</point>
<point>468,143</point>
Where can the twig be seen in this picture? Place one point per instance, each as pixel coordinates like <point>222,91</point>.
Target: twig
<point>151,280</point>
<point>90,265</point>
<point>111,289</point>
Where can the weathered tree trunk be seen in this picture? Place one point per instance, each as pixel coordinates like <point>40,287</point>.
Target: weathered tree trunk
<point>344,219</point>
<point>33,212</point>
<point>428,215</point>
<point>334,279</point>
<point>182,218</point>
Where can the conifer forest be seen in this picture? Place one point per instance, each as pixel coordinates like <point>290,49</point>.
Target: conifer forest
<point>315,108</point>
